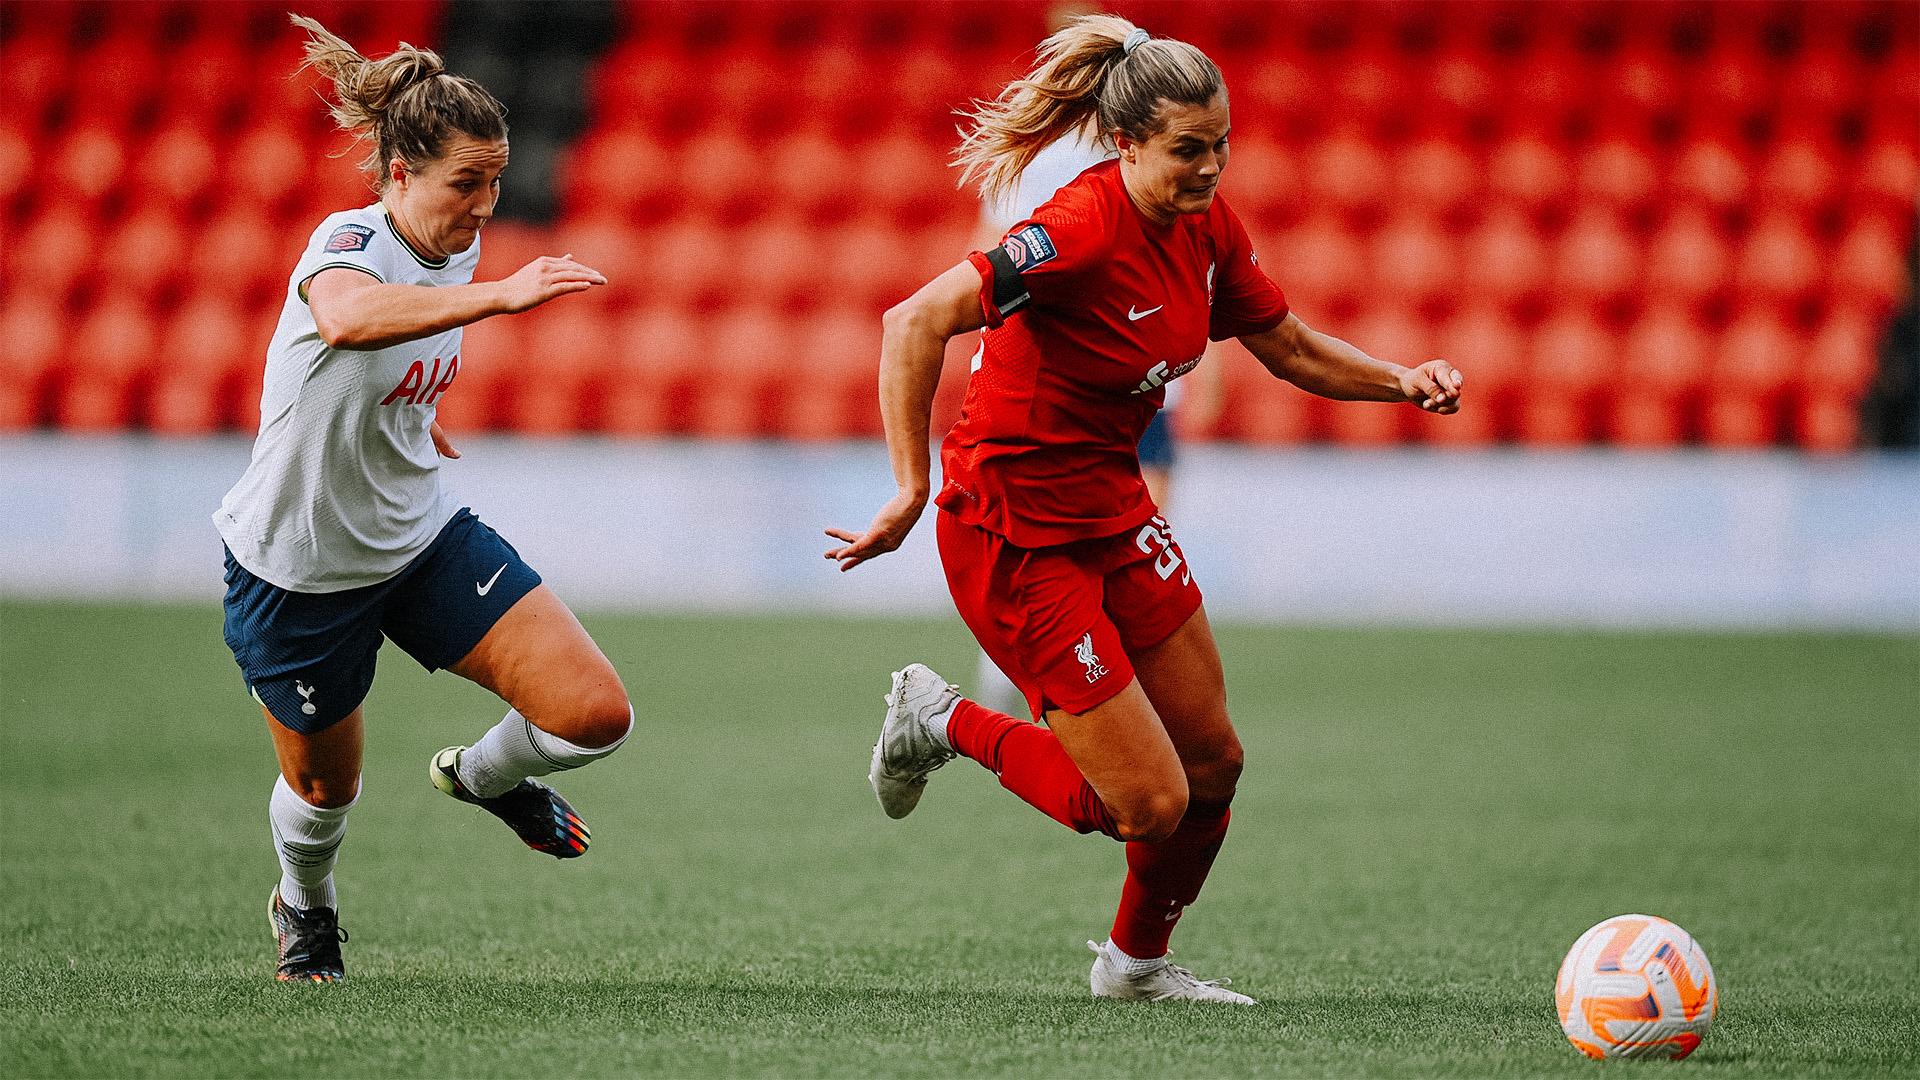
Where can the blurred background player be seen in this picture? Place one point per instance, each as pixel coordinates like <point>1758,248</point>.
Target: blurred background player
<point>340,533</point>
<point>1055,554</point>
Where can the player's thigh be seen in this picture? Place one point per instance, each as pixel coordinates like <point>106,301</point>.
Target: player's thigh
<point>1123,750</point>
<point>544,663</point>
<point>1183,678</point>
<point>322,767</point>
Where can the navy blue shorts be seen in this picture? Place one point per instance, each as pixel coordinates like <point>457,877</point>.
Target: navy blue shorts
<point>1156,445</point>
<point>309,657</point>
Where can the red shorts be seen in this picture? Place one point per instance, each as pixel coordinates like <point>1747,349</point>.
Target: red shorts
<point>1061,620</point>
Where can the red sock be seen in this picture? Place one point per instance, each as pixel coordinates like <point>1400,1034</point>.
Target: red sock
<point>1163,878</point>
<point>1030,763</point>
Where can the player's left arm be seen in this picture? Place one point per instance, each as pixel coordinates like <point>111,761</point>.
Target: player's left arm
<point>1325,365</point>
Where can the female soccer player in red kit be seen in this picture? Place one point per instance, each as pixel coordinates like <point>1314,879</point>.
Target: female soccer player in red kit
<point>1055,555</point>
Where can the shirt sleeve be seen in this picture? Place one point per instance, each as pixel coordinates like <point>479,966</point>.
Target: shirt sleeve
<point>1245,300</point>
<point>343,244</point>
<point>1040,261</point>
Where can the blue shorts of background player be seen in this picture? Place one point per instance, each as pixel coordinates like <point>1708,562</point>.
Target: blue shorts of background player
<point>309,657</point>
<point>1156,445</point>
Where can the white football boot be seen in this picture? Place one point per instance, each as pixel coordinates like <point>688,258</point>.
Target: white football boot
<point>1165,981</point>
<point>907,750</point>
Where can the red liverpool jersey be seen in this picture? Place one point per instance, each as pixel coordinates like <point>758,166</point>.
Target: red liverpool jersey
<point>1091,309</point>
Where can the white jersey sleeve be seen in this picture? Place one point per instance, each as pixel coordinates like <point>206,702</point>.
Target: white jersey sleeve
<point>344,486</point>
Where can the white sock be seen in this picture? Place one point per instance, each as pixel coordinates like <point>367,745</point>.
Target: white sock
<point>307,840</point>
<point>1131,965</point>
<point>514,749</point>
<point>937,727</point>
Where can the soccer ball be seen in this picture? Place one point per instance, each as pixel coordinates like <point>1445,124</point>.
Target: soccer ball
<point>1636,986</point>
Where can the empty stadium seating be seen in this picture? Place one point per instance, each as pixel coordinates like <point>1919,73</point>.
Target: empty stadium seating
<point>1643,224</point>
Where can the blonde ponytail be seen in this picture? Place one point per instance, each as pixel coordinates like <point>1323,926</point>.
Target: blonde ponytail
<point>405,104</point>
<point>1098,69</point>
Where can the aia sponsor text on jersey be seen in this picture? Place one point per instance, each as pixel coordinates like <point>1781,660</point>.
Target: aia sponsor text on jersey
<point>423,385</point>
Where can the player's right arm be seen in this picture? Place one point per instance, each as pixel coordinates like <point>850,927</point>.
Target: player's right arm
<point>913,348</point>
<point>355,310</point>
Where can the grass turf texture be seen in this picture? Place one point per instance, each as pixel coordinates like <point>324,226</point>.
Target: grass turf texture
<point>1427,822</point>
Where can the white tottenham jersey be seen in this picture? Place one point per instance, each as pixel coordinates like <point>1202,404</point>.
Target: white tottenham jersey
<point>344,486</point>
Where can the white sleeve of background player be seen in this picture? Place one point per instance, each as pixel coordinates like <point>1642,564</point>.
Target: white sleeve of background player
<point>1053,168</point>
<point>351,240</point>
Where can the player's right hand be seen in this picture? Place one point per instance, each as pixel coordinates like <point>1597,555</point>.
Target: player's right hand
<point>888,531</point>
<point>546,278</point>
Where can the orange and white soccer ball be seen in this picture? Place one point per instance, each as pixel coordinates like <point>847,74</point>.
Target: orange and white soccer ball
<point>1636,986</point>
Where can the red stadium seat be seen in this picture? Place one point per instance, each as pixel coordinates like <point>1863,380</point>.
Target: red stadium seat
<point>871,265</point>
<point>1780,262</point>
<point>1663,369</point>
<point>114,79</point>
<point>205,339</point>
<point>1503,259</point>
<point>1619,173</point>
<point>747,348</point>
<point>810,171</point>
<point>1461,91</point>
<point>1886,181</point>
<point>202,93</point>
<point>906,178</point>
<point>35,73</point>
<point>53,255</point>
<point>557,384</point>
<point>112,351</point>
<point>255,257</point>
<point>87,165</point>
<point>1841,362</point>
<point>620,170</point>
<point>1573,361</point>
<point>660,367</point>
<point>617,248</point>
<point>145,256</point>
<point>722,174</point>
<point>783,260</point>
<point>1596,261</point>
<point>1530,173</point>
<point>1753,366</point>
<point>17,164</point>
<point>494,356</point>
<point>837,359</point>
<point>35,351</point>
<point>1322,266</point>
<point>1711,172</point>
<point>695,261</point>
<point>1869,267</point>
<point>1346,172</point>
<point>268,166</point>
<point>177,169</point>
<point>1266,411</point>
<point>1435,177</point>
<point>1798,175</point>
<point>1413,261</point>
<point>1687,259</point>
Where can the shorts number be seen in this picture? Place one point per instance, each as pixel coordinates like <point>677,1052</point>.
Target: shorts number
<point>1156,538</point>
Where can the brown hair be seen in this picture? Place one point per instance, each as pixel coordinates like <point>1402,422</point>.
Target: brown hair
<point>405,103</point>
<point>1085,72</point>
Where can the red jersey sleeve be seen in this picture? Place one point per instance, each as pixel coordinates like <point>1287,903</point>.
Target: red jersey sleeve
<point>1041,260</point>
<point>1245,300</point>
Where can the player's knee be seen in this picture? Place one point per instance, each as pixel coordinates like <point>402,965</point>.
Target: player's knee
<point>1153,816</point>
<point>1215,778</point>
<point>603,720</point>
<point>327,793</point>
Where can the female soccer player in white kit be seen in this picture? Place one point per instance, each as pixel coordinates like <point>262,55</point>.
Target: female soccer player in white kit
<point>340,534</point>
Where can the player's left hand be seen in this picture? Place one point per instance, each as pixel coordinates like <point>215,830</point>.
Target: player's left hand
<point>441,442</point>
<point>1434,386</point>
<point>888,531</point>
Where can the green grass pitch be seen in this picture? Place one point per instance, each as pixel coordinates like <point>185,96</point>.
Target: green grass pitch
<point>1427,822</point>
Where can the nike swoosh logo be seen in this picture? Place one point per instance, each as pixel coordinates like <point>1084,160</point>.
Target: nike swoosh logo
<point>488,587</point>
<point>1136,316</point>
